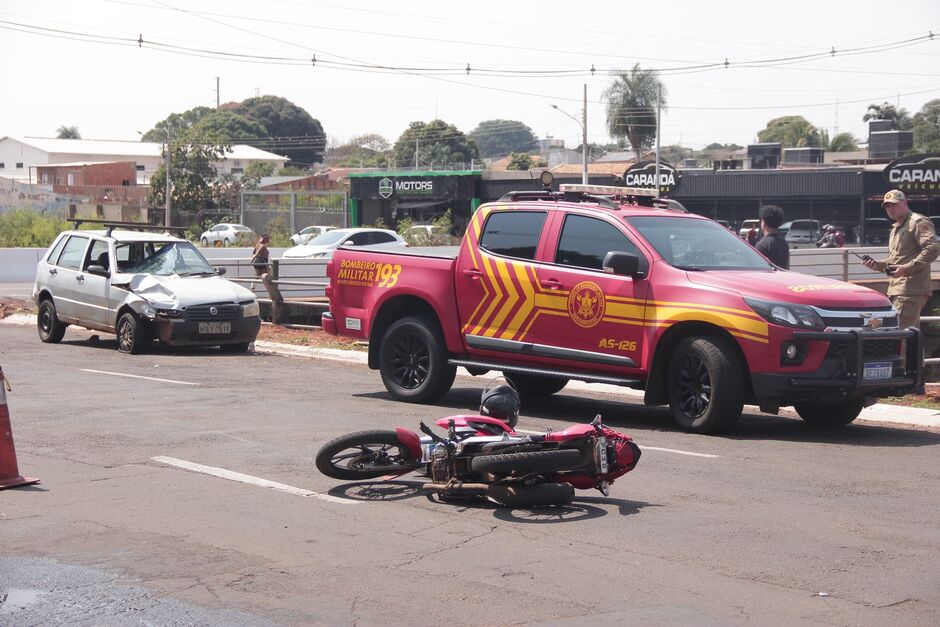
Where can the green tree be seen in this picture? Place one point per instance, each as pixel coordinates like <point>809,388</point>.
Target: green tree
<point>519,161</point>
<point>794,131</point>
<point>496,138</point>
<point>234,127</point>
<point>843,142</point>
<point>366,151</point>
<point>68,132</point>
<point>192,171</point>
<point>900,118</point>
<point>436,142</point>
<point>631,107</point>
<point>255,171</point>
<point>290,130</point>
<point>177,123</point>
<point>927,127</point>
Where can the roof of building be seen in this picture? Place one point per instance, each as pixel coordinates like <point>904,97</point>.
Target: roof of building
<point>277,180</point>
<point>78,164</point>
<point>128,148</point>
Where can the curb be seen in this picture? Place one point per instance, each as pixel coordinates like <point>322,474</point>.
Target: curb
<point>879,412</point>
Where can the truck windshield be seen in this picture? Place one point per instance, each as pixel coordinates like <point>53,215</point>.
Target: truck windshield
<point>161,258</point>
<point>692,244</point>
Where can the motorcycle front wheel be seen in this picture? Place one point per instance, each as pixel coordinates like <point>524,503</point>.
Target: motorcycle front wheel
<point>533,461</point>
<point>364,455</point>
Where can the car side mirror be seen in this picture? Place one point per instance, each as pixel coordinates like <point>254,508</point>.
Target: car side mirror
<point>97,270</point>
<point>622,263</point>
<point>220,270</point>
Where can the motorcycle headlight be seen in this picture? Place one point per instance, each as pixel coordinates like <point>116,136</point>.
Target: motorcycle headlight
<point>252,309</point>
<point>787,314</point>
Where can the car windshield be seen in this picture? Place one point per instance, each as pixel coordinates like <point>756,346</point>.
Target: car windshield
<point>328,238</point>
<point>161,258</point>
<point>691,244</point>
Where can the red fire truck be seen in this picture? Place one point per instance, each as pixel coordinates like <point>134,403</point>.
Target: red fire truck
<point>611,285</point>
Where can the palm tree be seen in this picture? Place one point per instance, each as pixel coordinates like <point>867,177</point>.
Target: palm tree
<point>900,118</point>
<point>68,132</point>
<point>631,107</point>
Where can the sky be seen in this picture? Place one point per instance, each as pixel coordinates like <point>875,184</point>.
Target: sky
<point>114,68</point>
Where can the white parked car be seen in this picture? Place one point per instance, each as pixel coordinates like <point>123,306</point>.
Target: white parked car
<point>226,233</point>
<point>305,235</point>
<point>322,246</point>
<point>141,287</point>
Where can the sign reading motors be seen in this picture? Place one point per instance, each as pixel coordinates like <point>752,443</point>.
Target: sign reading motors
<point>405,187</point>
<point>643,174</point>
<point>914,172</point>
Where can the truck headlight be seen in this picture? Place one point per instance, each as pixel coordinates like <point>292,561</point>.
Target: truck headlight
<point>250,310</point>
<point>787,314</point>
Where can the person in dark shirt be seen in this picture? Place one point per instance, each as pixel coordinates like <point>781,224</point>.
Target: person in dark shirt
<point>773,245</point>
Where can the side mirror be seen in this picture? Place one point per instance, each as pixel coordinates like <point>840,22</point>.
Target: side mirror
<point>624,264</point>
<point>220,270</point>
<point>98,270</point>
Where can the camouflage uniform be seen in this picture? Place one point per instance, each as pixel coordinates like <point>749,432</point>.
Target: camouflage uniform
<point>912,246</point>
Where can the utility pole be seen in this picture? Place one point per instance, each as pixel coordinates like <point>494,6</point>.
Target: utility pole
<point>416,153</point>
<point>166,218</point>
<point>217,95</point>
<point>584,146</point>
<point>659,97</point>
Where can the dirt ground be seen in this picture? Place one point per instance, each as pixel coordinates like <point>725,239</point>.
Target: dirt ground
<point>300,336</point>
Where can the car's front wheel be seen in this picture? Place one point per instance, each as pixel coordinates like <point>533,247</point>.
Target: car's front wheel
<point>51,329</point>
<point>132,335</point>
<point>226,242</point>
<point>205,241</point>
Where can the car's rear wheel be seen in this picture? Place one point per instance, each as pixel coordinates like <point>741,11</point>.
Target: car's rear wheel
<point>51,329</point>
<point>226,242</point>
<point>132,335</point>
<point>413,361</point>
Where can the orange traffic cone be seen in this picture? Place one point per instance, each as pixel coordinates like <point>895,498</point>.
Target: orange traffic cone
<point>9,474</point>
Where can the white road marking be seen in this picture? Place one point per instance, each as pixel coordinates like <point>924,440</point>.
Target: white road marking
<point>677,451</point>
<point>138,376</point>
<point>255,481</point>
<point>642,448</point>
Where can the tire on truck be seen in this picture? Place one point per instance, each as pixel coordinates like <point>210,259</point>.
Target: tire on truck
<point>413,360</point>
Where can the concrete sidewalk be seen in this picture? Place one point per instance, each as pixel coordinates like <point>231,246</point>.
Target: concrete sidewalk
<point>880,412</point>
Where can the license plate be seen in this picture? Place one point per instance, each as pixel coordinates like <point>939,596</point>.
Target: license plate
<point>215,327</point>
<point>877,370</point>
<point>601,454</point>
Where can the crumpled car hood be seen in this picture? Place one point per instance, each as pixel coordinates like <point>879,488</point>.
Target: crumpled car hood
<point>176,292</point>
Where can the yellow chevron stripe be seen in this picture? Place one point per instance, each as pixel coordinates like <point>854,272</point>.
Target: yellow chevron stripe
<point>497,297</point>
<point>512,297</point>
<point>528,301</point>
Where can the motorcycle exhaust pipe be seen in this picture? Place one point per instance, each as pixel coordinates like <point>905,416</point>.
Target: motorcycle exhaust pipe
<point>458,486</point>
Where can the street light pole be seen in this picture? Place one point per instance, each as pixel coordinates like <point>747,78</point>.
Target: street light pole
<point>166,218</point>
<point>583,124</point>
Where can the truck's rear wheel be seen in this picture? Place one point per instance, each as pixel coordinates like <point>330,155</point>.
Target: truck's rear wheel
<point>706,386</point>
<point>534,385</point>
<point>830,414</point>
<point>413,361</point>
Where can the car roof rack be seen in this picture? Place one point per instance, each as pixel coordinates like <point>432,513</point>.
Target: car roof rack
<point>566,196</point>
<point>110,225</point>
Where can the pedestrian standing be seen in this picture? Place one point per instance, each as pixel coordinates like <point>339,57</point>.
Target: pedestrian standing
<point>912,246</point>
<point>774,244</point>
<point>261,262</point>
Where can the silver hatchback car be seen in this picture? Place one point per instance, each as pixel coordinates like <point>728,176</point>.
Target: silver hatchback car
<point>141,286</point>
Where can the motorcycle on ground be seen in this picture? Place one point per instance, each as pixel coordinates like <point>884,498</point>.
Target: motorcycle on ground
<point>482,456</point>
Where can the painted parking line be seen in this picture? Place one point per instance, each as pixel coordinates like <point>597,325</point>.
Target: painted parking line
<point>222,473</point>
<point>643,448</point>
<point>138,376</point>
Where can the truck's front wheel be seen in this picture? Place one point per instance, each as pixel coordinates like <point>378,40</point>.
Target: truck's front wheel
<point>706,387</point>
<point>413,361</point>
<point>830,414</point>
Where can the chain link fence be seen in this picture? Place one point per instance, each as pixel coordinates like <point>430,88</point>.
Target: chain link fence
<point>292,211</point>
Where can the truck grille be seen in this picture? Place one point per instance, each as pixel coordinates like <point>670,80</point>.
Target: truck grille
<point>871,349</point>
<point>224,311</point>
<point>856,322</point>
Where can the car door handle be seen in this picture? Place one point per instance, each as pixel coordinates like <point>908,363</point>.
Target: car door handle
<point>80,278</point>
<point>473,273</point>
<point>552,284</point>
<point>53,271</point>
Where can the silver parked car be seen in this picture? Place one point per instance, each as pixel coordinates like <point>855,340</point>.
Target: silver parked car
<point>322,246</point>
<point>226,234</point>
<point>141,286</point>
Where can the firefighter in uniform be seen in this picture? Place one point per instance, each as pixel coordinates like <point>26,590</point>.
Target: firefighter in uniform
<point>912,246</point>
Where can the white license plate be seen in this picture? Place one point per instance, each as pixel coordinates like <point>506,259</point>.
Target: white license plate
<point>215,327</point>
<point>877,370</point>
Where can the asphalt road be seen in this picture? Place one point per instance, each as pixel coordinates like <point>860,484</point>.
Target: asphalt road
<point>775,524</point>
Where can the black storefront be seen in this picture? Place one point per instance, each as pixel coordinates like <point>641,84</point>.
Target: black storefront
<point>844,195</point>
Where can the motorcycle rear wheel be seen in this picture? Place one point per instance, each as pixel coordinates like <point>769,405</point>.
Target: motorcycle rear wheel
<point>534,461</point>
<point>532,496</point>
<point>364,455</point>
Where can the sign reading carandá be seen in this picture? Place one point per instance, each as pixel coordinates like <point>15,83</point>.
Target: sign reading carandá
<point>914,172</point>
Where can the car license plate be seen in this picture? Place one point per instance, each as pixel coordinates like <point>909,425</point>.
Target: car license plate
<point>877,370</point>
<point>215,327</point>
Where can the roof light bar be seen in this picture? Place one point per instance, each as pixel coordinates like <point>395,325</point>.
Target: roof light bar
<point>607,190</point>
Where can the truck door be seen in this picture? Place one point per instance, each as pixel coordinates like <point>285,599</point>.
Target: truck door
<point>495,277</point>
<point>588,315</point>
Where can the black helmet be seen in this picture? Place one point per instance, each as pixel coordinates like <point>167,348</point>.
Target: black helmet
<point>501,400</point>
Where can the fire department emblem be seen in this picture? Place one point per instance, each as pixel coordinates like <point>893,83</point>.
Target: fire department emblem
<point>586,304</point>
